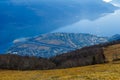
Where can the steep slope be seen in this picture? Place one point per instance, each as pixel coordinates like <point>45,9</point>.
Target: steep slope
<point>49,45</point>
<point>97,54</point>
<point>82,57</point>
<point>112,52</point>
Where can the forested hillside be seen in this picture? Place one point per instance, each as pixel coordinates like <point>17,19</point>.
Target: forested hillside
<point>97,54</point>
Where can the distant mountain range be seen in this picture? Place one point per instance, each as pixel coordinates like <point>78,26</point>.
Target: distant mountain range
<point>52,44</point>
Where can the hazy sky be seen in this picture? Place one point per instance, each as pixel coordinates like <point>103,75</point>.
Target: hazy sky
<point>105,26</point>
<point>107,0</point>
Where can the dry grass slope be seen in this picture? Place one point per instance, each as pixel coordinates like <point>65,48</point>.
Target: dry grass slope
<point>112,52</point>
<point>110,71</point>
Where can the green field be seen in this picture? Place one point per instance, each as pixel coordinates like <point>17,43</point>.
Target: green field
<point>110,71</point>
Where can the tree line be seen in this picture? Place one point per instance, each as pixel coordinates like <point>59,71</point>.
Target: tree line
<point>81,57</point>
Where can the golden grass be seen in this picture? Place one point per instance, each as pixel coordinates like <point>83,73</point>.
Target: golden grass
<point>110,71</point>
<point>112,52</point>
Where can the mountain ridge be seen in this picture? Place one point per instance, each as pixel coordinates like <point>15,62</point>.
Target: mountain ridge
<point>52,44</point>
<point>96,54</point>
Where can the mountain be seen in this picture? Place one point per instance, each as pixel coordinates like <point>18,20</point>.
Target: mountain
<point>115,37</point>
<point>52,44</point>
<point>44,16</point>
<point>96,54</point>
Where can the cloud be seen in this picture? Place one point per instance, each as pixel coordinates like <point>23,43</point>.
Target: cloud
<point>20,40</point>
<point>104,26</point>
<point>115,3</point>
<point>107,0</point>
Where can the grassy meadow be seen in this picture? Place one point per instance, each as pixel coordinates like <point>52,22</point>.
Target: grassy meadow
<point>110,71</point>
